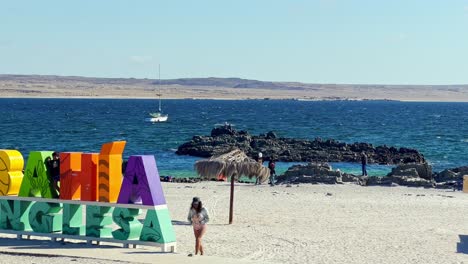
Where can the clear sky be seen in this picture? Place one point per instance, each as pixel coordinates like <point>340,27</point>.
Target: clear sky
<point>315,41</point>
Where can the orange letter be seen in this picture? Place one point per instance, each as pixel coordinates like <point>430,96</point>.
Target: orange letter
<point>89,176</point>
<point>110,171</point>
<point>70,170</point>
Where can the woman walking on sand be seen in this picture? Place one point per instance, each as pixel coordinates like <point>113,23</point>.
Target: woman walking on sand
<point>198,217</point>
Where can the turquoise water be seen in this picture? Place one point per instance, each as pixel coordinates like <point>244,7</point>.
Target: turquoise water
<point>438,130</point>
<point>372,169</point>
<point>281,167</point>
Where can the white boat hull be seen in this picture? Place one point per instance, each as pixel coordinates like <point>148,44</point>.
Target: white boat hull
<point>157,119</point>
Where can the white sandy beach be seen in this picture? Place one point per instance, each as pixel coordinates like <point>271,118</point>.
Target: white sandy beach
<point>305,225</point>
<point>316,224</point>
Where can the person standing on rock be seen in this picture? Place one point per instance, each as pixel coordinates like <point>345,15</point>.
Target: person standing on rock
<point>271,166</point>
<point>364,163</point>
<point>53,166</point>
<point>259,160</point>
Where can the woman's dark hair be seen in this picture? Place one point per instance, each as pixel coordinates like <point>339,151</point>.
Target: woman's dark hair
<point>200,205</point>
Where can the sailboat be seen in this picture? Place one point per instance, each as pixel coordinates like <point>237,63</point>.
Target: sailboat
<point>158,116</point>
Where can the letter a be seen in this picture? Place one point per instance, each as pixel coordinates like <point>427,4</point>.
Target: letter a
<point>141,181</point>
<point>36,181</point>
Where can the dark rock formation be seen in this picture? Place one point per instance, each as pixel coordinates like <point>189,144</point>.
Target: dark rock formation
<point>225,138</point>
<point>350,178</point>
<point>412,175</point>
<point>447,175</point>
<point>310,173</point>
<point>403,180</point>
<point>404,175</point>
<point>451,178</point>
<point>422,170</point>
<point>455,174</point>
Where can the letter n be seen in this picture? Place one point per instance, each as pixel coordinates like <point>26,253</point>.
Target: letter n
<point>14,215</point>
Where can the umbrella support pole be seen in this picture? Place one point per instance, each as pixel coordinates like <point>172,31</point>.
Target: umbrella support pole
<point>231,200</point>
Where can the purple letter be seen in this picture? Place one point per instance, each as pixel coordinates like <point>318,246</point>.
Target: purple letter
<point>141,182</point>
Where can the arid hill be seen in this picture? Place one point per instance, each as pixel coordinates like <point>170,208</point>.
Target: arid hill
<point>219,88</point>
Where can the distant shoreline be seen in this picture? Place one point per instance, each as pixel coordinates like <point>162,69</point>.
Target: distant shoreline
<point>228,99</point>
<point>37,86</point>
<point>219,99</point>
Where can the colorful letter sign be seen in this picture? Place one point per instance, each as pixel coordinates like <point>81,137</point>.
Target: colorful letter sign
<point>90,185</point>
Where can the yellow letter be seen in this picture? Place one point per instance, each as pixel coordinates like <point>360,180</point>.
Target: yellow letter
<point>11,171</point>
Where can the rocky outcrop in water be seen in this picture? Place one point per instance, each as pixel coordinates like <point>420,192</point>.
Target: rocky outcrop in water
<point>402,175</point>
<point>451,178</point>
<point>225,138</point>
<point>311,173</point>
<point>402,180</point>
<point>454,174</point>
<point>411,175</point>
<point>422,170</point>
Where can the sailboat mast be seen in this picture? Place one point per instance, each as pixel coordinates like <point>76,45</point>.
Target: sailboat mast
<point>159,85</point>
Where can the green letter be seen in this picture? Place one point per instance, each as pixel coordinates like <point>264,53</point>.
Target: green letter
<point>44,217</point>
<point>97,218</point>
<point>126,219</point>
<point>36,181</point>
<point>7,216</point>
<point>14,215</point>
<point>158,227</point>
<point>72,220</point>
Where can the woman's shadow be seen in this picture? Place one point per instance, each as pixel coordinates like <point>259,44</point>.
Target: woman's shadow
<point>177,222</point>
<point>186,223</point>
<point>462,247</point>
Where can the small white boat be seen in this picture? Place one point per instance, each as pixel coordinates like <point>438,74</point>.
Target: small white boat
<point>158,116</point>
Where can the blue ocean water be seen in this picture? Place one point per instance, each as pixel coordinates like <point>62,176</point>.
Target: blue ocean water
<point>438,130</point>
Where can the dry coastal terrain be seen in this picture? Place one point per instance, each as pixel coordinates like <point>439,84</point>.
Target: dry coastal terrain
<point>297,224</point>
<point>281,224</point>
<point>37,86</point>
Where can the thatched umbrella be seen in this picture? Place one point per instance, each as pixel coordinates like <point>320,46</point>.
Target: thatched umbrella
<point>233,164</point>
